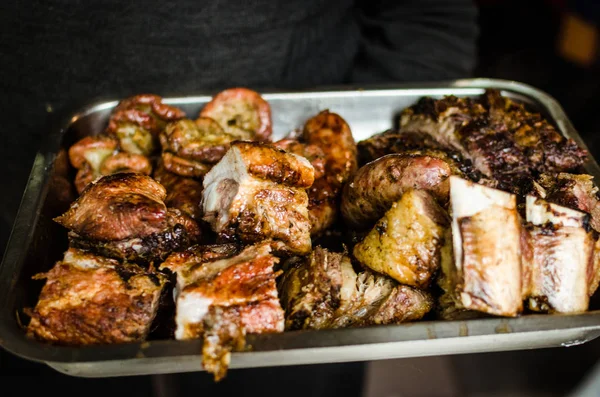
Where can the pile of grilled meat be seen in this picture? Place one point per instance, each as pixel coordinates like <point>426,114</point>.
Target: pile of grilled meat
<point>472,207</point>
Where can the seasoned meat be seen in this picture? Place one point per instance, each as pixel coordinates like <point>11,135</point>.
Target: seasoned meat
<point>556,258</point>
<point>137,121</point>
<point>332,134</point>
<point>323,291</point>
<point>481,263</point>
<point>242,113</point>
<point>503,140</point>
<point>405,244</point>
<point>223,300</point>
<point>189,148</point>
<point>95,156</point>
<point>312,153</point>
<point>88,299</point>
<point>576,191</point>
<point>116,207</point>
<point>373,189</point>
<point>257,192</point>
<point>180,232</point>
<point>183,193</point>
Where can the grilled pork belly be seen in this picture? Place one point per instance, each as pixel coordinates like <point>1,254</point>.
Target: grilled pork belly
<point>323,291</point>
<point>221,298</point>
<point>405,244</point>
<point>242,113</point>
<point>377,185</point>
<point>481,263</point>
<point>184,194</point>
<point>88,299</point>
<point>137,121</point>
<point>189,148</point>
<point>95,156</point>
<point>258,192</point>
<point>332,134</point>
<point>556,258</point>
<point>123,216</point>
<point>501,138</point>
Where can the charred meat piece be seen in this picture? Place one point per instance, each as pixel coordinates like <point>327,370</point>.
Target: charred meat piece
<point>123,216</point>
<point>223,300</point>
<point>183,193</point>
<point>88,299</point>
<point>405,244</point>
<point>332,134</point>
<point>377,185</point>
<point>312,153</point>
<point>556,258</point>
<point>257,192</point>
<point>191,147</point>
<point>96,156</point>
<point>481,263</point>
<point>323,291</point>
<point>242,113</point>
<point>137,121</point>
<point>500,137</point>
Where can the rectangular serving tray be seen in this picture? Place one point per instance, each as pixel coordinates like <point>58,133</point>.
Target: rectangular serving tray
<point>36,243</point>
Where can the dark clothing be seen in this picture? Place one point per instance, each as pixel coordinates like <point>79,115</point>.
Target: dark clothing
<point>55,53</point>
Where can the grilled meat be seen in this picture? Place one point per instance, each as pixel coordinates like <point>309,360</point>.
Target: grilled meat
<point>88,299</point>
<point>331,133</point>
<point>223,300</point>
<point>481,263</point>
<point>95,156</point>
<point>556,258</point>
<point>242,113</point>
<point>123,216</point>
<point>323,291</point>
<point>313,153</point>
<point>405,244</point>
<point>137,121</point>
<point>373,189</point>
<point>501,138</point>
<point>257,192</point>
<point>191,147</point>
<point>183,193</point>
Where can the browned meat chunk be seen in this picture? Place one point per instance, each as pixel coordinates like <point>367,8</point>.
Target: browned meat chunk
<point>501,138</point>
<point>556,258</point>
<point>222,300</point>
<point>481,263</point>
<point>183,193</point>
<point>323,291</point>
<point>377,185</point>
<point>405,244</point>
<point>88,299</point>
<point>242,113</point>
<point>331,133</point>
<point>258,192</point>
<point>137,121</point>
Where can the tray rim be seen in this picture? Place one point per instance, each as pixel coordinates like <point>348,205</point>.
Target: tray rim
<point>35,194</point>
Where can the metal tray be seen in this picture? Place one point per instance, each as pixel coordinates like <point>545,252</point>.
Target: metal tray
<point>36,243</point>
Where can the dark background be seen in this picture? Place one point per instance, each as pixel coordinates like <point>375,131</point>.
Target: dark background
<point>518,41</point>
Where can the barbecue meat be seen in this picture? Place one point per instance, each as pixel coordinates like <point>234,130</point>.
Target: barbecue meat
<point>405,244</point>
<point>223,300</point>
<point>258,192</point>
<point>501,138</point>
<point>556,258</point>
<point>95,156</point>
<point>191,147</point>
<point>137,121</point>
<point>323,291</point>
<point>481,263</point>
<point>123,216</point>
<point>88,299</point>
<point>183,193</point>
<point>331,133</point>
<point>377,185</point>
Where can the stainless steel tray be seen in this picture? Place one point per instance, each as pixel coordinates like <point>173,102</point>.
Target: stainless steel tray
<point>36,243</point>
